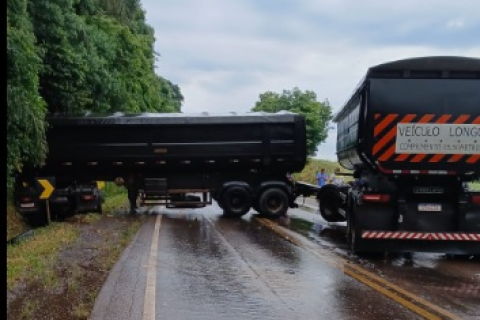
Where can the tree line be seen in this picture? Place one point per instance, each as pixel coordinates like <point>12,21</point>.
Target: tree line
<point>78,56</point>
<point>74,56</point>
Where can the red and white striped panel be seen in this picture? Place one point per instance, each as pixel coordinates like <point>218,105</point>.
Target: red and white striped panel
<point>427,172</point>
<point>432,172</point>
<point>406,235</point>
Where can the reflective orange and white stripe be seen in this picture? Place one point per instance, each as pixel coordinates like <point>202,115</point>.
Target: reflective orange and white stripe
<point>427,172</point>
<point>385,131</point>
<point>405,235</point>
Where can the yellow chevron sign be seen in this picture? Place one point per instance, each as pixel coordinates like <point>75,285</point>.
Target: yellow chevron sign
<point>47,186</point>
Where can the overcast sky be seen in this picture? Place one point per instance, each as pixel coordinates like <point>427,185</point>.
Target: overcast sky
<point>224,53</point>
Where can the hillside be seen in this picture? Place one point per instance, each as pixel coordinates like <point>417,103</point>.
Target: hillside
<point>313,166</point>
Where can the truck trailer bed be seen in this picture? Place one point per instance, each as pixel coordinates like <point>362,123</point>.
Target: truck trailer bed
<point>156,143</point>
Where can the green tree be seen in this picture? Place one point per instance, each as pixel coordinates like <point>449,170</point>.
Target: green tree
<point>73,56</point>
<point>60,31</point>
<point>25,107</point>
<point>99,57</point>
<point>317,114</point>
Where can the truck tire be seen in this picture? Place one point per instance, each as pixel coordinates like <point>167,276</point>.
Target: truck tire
<point>353,235</point>
<point>273,203</point>
<point>235,202</point>
<point>329,203</point>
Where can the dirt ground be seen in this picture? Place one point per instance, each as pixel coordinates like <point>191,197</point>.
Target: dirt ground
<point>79,273</point>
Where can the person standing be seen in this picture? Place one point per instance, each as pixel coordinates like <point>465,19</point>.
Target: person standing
<point>322,178</point>
<point>132,185</point>
<point>290,178</point>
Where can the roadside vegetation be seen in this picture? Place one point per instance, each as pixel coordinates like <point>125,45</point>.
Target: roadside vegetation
<point>317,114</point>
<point>57,271</point>
<point>15,224</point>
<point>313,167</point>
<point>115,197</point>
<point>33,257</point>
<point>66,56</point>
<point>475,185</point>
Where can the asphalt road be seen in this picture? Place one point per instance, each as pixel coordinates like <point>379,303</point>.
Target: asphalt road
<point>195,264</point>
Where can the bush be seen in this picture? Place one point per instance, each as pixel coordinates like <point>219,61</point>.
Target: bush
<point>314,165</point>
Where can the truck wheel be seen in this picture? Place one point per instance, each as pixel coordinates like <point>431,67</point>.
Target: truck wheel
<point>235,202</point>
<point>352,232</point>
<point>329,203</point>
<point>273,203</point>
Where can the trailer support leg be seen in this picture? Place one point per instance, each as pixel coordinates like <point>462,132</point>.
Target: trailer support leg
<point>462,208</point>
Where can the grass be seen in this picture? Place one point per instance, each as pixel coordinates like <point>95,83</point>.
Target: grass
<point>35,258</point>
<point>475,185</point>
<point>82,311</point>
<point>29,310</point>
<point>117,248</point>
<point>111,189</point>
<point>114,202</point>
<point>115,196</point>
<point>15,224</point>
<point>313,166</point>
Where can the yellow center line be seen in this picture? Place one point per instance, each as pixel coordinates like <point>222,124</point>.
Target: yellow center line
<point>392,295</point>
<point>401,290</point>
<point>360,274</point>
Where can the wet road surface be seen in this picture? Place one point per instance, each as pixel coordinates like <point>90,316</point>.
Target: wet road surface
<point>452,283</point>
<point>195,264</point>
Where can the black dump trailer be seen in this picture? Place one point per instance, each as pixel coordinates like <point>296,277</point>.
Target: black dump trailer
<point>239,160</point>
<point>410,133</point>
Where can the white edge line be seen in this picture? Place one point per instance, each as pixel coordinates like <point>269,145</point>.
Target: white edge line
<point>150,287</point>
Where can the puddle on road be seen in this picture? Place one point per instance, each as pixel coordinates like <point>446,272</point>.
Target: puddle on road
<point>331,236</point>
<point>308,228</point>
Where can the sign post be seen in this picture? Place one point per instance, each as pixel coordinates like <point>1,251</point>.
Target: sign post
<point>46,187</point>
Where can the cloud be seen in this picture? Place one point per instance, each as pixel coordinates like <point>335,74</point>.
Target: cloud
<point>223,54</point>
<point>456,24</point>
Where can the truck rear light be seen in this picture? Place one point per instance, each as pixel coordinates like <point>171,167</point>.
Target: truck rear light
<point>88,197</point>
<point>475,199</point>
<point>381,198</point>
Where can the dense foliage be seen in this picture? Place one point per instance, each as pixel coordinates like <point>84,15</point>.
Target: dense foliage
<point>25,106</point>
<point>74,56</point>
<point>317,114</point>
